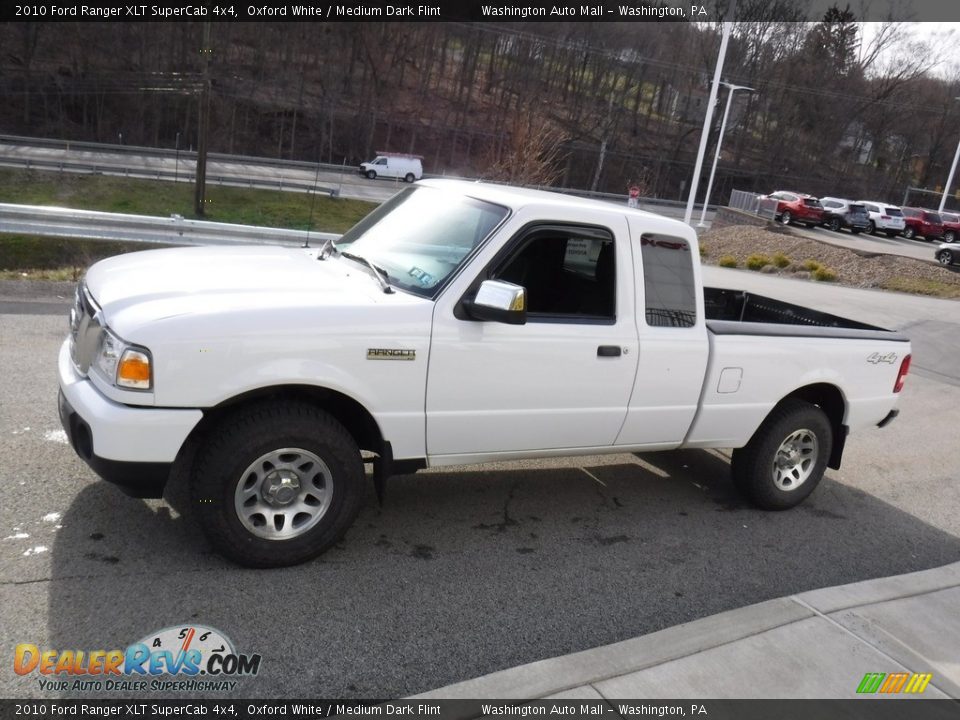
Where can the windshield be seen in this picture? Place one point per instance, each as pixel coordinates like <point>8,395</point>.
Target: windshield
<point>421,235</point>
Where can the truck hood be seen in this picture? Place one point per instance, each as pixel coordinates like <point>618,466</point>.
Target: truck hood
<point>145,287</point>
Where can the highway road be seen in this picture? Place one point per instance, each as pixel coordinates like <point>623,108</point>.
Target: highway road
<point>345,181</point>
<point>166,164</point>
<point>300,177</point>
<point>465,571</point>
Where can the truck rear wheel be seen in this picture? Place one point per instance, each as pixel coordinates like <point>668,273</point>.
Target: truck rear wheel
<point>786,457</point>
<point>277,485</point>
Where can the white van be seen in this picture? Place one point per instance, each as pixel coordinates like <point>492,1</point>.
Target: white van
<point>394,165</point>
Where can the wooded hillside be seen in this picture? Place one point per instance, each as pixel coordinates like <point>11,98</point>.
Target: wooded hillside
<point>588,105</point>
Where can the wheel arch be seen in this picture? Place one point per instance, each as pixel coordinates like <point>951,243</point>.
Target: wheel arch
<point>831,400</point>
<point>350,413</point>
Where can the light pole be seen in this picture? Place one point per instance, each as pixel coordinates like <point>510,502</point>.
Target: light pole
<point>731,89</point>
<point>705,133</point>
<point>176,162</point>
<point>953,169</point>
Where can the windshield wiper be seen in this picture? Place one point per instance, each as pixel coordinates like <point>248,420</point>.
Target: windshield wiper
<point>377,272</point>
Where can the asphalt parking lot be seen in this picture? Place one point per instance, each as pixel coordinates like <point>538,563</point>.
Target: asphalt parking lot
<point>878,243</point>
<point>469,571</point>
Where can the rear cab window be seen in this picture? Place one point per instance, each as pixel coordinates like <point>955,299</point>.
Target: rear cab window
<point>669,284</point>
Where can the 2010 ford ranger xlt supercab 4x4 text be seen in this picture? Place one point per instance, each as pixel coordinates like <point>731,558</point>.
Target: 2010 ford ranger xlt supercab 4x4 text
<point>457,323</point>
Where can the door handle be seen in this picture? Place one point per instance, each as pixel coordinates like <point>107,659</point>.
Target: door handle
<point>608,351</point>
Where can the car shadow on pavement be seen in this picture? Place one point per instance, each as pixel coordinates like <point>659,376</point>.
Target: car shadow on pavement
<point>465,572</point>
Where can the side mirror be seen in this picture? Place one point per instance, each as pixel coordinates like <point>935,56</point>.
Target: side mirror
<point>500,302</point>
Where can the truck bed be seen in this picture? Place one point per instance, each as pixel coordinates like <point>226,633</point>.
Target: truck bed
<point>737,312</point>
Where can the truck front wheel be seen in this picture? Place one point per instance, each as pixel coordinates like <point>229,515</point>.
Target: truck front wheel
<point>786,457</point>
<point>277,484</point>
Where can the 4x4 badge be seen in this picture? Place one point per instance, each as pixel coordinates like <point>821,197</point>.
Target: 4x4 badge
<point>885,358</point>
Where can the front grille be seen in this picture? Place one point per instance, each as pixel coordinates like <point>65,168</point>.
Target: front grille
<point>84,328</point>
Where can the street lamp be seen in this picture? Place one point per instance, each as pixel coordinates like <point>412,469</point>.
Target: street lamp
<point>723,126</point>
<point>707,121</point>
<point>953,169</point>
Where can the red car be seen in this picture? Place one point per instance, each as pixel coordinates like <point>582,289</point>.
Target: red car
<point>951,226</point>
<point>797,207</point>
<point>921,223</point>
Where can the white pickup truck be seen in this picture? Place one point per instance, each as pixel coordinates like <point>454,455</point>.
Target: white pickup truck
<point>457,323</point>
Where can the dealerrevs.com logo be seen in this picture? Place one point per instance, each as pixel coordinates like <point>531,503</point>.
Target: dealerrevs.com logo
<point>181,658</point>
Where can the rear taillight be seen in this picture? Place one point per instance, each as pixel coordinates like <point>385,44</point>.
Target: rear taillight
<point>902,375</point>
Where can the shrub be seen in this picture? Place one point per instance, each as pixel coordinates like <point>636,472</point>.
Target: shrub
<point>824,274</point>
<point>727,261</point>
<point>780,260</point>
<point>757,261</point>
<point>811,265</point>
<point>703,250</point>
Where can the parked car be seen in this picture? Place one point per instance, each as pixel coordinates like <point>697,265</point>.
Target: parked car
<point>839,213</point>
<point>951,226</point>
<point>796,207</point>
<point>884,217</point>
<point>947,254</point>
<point>922,223</point>
<point>260,373</point>
<point>393,165</point>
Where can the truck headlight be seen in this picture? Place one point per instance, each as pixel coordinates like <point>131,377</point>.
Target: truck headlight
<point>122,364</point>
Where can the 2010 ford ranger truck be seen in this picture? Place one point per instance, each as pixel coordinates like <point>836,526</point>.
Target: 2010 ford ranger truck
<point>457,323</point>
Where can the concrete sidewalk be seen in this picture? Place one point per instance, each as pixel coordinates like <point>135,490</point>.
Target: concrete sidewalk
<point>818,644</point>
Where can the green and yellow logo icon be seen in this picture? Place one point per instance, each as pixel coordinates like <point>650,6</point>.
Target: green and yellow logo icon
<point>894,682</point>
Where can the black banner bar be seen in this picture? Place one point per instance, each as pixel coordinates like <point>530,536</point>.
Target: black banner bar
<point>458,10</point>
<point>865,709</point>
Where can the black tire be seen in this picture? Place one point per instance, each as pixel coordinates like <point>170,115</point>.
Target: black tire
<point>243,440</point>
<point>409,177</point>
<point>835,224</point>
<point>371,174</point>
<point>871,228</point>
<point>909,233</point>
<point>945,257</point>
<point>785,217</point>
<point>753,466</point>
<point>949,236</point>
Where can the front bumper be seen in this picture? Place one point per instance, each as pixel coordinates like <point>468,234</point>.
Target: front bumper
<point>132,447</point>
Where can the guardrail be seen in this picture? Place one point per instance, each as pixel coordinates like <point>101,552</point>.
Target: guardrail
<point>173,230</point>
